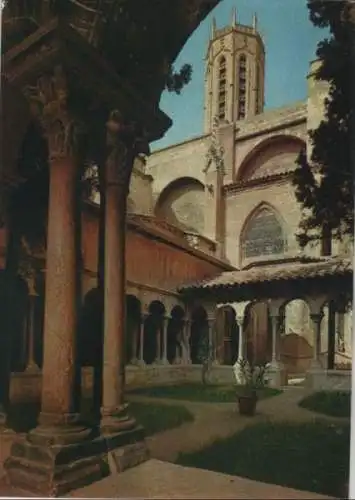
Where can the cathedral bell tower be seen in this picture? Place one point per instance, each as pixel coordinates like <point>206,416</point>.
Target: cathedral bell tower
<point>235,71</point>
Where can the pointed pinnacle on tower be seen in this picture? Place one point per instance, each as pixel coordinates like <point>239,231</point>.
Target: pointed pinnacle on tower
<point>213,28</point>
<point>234,17</point>
<point>255,22</point>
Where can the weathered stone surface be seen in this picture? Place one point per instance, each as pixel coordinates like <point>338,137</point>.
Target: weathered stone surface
<point>54,470</point>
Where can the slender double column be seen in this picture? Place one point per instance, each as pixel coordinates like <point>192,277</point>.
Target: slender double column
<point>212,344</point>
<point>31,366</point>
<point>316,320</point>
<point>241,343</point>
<point>186,341</point>
<point>164,359</point>
<point>117,176</point>
<point>141,361</point>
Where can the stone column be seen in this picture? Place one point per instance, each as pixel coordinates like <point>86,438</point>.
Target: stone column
<point>32,366</point>
<point>164,359</point>
<point>316,320</point>
<point>158,354</point>
<point>6,296</point>
<point>210,337</point>
<point>37,463</point>
<point>241,343</point>
<point>276,369</point>
<point>59,357</point>
<point>340,345</point>
<point>141,340</point>
<point>117,175</point>
<point>187,333</point>
<point>135,341</point>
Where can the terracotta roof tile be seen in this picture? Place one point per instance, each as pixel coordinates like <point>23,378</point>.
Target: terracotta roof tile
<point>274,272</point>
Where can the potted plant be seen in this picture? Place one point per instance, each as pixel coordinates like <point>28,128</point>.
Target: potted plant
<point>250,379</point>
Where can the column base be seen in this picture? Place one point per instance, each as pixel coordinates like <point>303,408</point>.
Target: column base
<point>276,374</point>
<point>315,365</point>
<point>53,470</point>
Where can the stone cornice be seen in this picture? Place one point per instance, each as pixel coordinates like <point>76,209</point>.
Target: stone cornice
<point>234,187</point>
<point>267,122</point>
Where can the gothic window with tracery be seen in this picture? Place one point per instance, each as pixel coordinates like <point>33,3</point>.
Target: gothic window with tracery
<point>263,236</point>
<point>242,71</point>
<point>222,82</point>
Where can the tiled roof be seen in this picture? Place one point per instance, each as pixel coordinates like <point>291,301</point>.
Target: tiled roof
<point>300,269</point>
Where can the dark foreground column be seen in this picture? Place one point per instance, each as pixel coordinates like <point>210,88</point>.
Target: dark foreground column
<point>60,453</point>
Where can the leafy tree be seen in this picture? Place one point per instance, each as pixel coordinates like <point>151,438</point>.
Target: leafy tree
<point>177,80</point>
<point>324,182</point>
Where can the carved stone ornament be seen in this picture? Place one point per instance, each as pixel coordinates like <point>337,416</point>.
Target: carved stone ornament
<point>215,152</point>
<point>48,101</point>
<point>124,142</point>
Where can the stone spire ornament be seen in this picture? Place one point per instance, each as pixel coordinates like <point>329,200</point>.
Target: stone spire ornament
<point>255,22</point>
<point>213,28</point>
<point>234,17</point>
<point>215,151</point>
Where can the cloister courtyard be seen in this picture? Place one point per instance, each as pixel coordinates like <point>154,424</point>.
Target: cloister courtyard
<point>296,446</point>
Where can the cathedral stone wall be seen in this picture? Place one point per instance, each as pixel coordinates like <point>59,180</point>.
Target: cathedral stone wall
<point>184,206</point>
<point>242,202</point>
<point>182,160</point>
<point>140,193</point>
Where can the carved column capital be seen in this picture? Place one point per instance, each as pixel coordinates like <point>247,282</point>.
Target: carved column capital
<point>49,102</point>
<point>125,142</point>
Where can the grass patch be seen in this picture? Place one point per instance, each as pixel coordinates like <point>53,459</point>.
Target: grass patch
<point>312,456</point>
<point>332,403</point>
<point>210,393</point>
<point>157,418</point>
<point>153,417</point>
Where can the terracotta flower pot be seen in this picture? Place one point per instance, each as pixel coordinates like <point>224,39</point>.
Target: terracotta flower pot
<point>247,404</point>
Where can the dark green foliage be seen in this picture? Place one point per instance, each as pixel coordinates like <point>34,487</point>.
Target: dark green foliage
<point>177,80</point>
<point>334,404</point>
<point>309,456</point>
<point>330,203</point>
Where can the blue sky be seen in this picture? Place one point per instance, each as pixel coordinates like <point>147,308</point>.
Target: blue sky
<point>290,40</point>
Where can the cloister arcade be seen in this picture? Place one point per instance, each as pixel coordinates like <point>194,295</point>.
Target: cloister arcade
<point>296,333</point>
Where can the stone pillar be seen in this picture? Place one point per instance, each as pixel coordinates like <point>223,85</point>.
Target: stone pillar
<point>158,333</point>
<point>123,438</point>
<point>37,463</point>
<point>117,175</point>
<point>58,372</point>
<point>276,372</point>
<point>134,344</point>
<point>186,339</point>
<point>141,340</point>
<point>241,343</point>
<point>31,366</point>
<point>340,346</point>
<point>212,341</point>
<point>164,359</point>
<point>316,320</point>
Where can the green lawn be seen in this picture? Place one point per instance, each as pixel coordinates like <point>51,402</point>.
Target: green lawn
<point>199,393</point>
<point>154,417</point>
<point>157,418</point>
<point>312,457</point>
<point>332,403</point>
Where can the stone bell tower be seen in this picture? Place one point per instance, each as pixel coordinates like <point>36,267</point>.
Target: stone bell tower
<point>235,73</point>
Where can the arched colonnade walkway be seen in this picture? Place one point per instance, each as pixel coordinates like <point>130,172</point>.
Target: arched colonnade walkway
<point>291,315</point>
